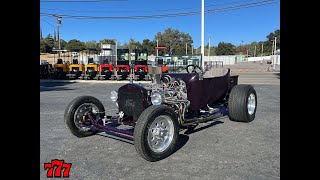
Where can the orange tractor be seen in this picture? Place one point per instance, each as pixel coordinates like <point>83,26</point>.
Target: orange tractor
<point>60,70</point>
<point>75,69</point>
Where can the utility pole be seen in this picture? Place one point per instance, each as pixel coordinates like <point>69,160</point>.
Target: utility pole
<point>248,55</point>
<point>202,34</point>
<point>272,52</point>
<point>262,49</point>
<point>255,49</point>
<point>209,50</point>
<point>186,49</point>
<point>275,49</point>
<point>192,49</point>
<point>157,47</point>
<point>58,30</point>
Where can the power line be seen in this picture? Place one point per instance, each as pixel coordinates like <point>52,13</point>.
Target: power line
<point>248,5</point>
<point>68,1</point>
<point>47,22</point>
<point>157,10</point>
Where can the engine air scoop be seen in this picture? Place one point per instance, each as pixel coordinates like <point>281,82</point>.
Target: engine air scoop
<point>155,74</point>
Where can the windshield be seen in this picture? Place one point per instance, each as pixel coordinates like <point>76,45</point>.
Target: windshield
<point>123,54</point>
<point>141,55</point>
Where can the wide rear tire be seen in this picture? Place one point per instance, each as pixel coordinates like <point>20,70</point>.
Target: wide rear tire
<point>242,103</point>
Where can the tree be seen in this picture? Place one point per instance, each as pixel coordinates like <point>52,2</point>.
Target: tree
<point>149,45</point>
<point>41,38</point>
<point>43,46</point>
<point>174,40</point>
<point>92,46</point>
<point>270,38</point>
<point>254,47</point>
<point>55,37</point>
<point>108,41</point>
<point>225,49</point>
<point>132,45</point>
<point>49,43</point>
<point>206,50</point>
<point>63,44</point>
<point>75,45</point>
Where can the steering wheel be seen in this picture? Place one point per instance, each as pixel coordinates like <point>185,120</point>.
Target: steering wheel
<point>194,67</point>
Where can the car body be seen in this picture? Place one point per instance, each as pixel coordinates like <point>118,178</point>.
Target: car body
<point>157,111</point>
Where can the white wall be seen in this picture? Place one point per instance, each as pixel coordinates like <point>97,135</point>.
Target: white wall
<point>276,57</point>
<point>227,60</point>
<point>259,58</point>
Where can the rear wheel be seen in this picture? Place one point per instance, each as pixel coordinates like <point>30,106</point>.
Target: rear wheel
<point>156,133</point>
<point>76,115</point>
<point>242,103</point>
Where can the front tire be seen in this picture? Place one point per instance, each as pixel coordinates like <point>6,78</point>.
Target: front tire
<point>75,113</point>
<point>156,132</point>
<point>242,103</point>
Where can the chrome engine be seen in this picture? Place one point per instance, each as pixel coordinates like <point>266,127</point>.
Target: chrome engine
<point>173,93</point>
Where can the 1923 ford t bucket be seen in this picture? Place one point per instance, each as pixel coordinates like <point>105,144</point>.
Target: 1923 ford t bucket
<point>158,111</point>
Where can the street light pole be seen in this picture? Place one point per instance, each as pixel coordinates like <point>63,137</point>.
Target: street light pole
<point>275,49</point>
<point>186,49</point>
<point>202,33</point>
<point>157,47</point>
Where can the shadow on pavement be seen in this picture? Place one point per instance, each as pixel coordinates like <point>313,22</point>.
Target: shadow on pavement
<point>193,130</point>
<point>182,140</point>
<point>55,86</point>
<point>278,75</point>
<point>115,138</point>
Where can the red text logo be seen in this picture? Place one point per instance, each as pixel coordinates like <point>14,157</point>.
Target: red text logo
<point>57,168</point>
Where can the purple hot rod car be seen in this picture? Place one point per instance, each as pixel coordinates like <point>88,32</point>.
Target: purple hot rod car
<point>158,111</point>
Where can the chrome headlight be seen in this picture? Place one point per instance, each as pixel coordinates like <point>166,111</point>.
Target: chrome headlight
<point>156,98</point>
<point>114,96</point>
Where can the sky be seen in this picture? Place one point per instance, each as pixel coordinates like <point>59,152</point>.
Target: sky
<point>237,26</point>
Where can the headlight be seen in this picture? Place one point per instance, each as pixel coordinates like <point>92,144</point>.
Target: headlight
<point>114,96</point>
<point>156,98</point>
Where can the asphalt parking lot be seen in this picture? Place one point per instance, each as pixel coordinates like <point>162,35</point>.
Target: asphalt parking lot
<point>215,150</point>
